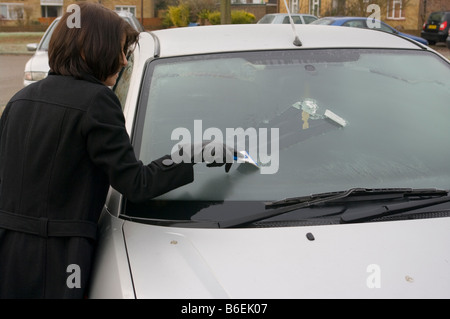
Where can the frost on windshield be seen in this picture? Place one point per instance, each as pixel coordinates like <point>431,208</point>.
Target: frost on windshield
<point>231,68</point>
<point>346,117</point>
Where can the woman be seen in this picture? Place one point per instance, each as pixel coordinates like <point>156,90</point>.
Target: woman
<point>63,142</point>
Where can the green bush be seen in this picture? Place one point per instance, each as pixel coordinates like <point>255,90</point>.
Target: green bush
<point>237,17</point>
<point>242,17</point>
<point>214,17</point>
<point>166,21</point>
<point>179,15</point>
<point>202,15</point>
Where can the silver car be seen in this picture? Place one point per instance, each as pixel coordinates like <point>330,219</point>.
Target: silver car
<point>37,66</point>
<point>283,18</point>
<point>340,188</point>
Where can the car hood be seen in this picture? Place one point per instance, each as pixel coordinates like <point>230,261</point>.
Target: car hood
<point>38,62</point>
<point>401,259</point>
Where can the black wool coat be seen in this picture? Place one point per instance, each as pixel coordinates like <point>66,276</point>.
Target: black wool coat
<point>63,142</point>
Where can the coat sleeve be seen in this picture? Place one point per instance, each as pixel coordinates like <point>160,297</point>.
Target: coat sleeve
<point>109,147</point>
<point>3,118</point>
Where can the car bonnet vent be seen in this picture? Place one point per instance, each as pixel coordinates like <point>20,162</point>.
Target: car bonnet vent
<point>297,41</point>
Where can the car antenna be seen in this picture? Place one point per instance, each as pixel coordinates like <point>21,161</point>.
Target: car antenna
<point>297,41</point>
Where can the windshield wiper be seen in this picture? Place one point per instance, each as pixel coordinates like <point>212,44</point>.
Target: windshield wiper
<point>360,194</point>
<point>361,215</point>
<point>351,195</point>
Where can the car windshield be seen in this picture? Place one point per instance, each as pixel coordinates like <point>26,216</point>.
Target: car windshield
<point>436,17</point>
<point>323,21</point>
<point>312,121</point>
<point>43,46</point>
<point>309,19</point>
<point>267,19</point>
<point>134,23</point>
<point>296,19</point>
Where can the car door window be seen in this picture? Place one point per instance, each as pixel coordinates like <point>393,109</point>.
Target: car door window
<point>296,19</point>
<point>309,19</point>
<point>385,28</point>
<point>355,24</point>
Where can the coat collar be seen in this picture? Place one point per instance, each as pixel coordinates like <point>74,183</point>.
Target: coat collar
<point>84,76</point>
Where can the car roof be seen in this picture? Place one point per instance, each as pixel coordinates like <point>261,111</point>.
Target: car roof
<point>245,37</point>
<point>442,14</point>
<point>286,14</point>
<point>346,18</point>
<point>353,18</point>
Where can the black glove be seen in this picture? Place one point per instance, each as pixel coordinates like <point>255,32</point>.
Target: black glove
<point>213,153</point>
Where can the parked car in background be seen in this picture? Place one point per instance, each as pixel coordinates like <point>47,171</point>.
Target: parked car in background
<point>362,22</point>
<point>341,186</point>
<point>437,27</point>
<point>37,66</point>
<point>283,18</point>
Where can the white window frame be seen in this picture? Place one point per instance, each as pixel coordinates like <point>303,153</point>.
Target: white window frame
<point>314,7</point>
<point>10,13</point>
<point>59,10</point>
<point>294,6</point>
<point>131,9</point>
<point>391,10</point>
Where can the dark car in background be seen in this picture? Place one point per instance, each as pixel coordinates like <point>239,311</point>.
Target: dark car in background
<point>437,26</point>
<point>361,22</point>
<point>448,40</point>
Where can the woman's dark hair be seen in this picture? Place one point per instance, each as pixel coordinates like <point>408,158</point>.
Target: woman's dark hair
<point>94,46</point>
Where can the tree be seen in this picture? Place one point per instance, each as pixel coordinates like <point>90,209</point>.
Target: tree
<point>199,8</point>
<point>225,11</point>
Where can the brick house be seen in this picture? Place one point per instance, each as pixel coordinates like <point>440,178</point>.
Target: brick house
<point>405,15</point>
<point>33,12</point>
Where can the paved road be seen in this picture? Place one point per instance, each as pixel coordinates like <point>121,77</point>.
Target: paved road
<point>11,75</point>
